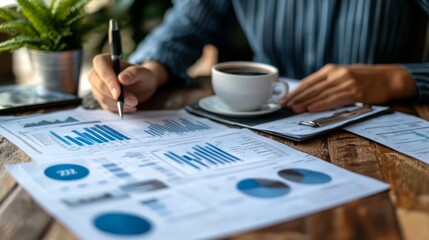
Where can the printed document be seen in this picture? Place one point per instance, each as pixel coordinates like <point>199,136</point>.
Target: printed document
<point>402,132</point>
<point>170,175</point>
<point>45,137</point>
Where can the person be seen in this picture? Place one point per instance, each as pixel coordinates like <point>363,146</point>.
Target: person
<point>344,51</point>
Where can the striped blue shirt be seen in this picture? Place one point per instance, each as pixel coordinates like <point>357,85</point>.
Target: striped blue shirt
<point>298,36</point>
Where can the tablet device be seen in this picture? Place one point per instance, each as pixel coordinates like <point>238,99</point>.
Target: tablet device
<point>19,98</point>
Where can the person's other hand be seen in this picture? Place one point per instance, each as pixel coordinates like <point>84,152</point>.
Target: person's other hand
<point>340,85</point>
<point>140,82</point>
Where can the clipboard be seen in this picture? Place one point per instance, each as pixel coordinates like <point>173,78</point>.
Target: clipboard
<point>337,117</point>
<point>297,127</point>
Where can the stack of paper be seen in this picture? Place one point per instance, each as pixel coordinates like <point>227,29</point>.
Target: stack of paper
<point>169,175</point>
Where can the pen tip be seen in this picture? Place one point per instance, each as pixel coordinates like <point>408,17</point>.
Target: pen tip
<point>113,25</point>
<point>121,109</point>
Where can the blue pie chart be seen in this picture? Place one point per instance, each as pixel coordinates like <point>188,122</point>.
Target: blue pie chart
<point>263,188</point>
<point>123,224</point>
<point>305,176</point>
<point>66,172</point>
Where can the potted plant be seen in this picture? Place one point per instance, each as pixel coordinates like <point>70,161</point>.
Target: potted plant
<point>53,34</point>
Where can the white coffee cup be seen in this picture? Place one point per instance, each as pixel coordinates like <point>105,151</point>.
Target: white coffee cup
<point>247,86</point>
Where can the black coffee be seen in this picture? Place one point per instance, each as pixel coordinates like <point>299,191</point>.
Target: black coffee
<point>245,72</point>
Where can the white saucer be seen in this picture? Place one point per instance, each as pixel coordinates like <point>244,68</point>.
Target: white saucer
<point>215,105</point>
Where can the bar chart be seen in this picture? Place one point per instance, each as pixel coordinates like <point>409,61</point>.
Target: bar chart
<point>88,136</point>
<point>200,157</point>
<point>169,126</point>
<point>116,170</point>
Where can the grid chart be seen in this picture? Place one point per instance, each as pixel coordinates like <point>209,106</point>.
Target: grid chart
<point>172,126</point>
<point>203,157</point>
<point>407,137</point>
<point>97,134</point>
<point>116,170</point>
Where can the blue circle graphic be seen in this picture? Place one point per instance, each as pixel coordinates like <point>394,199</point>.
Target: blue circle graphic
<point>66,172</point>
<point>122,224</point>
<point>300,175</point>
<point>263,188</point>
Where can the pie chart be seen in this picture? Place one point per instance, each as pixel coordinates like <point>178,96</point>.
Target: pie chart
<point>263,188</point>
<point>305,176</point>
<point>120,223</point>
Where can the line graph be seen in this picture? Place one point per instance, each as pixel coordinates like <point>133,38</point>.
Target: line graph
<point>47,122</point>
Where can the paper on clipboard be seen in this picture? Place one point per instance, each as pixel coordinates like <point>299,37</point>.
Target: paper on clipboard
<point>285,123</point>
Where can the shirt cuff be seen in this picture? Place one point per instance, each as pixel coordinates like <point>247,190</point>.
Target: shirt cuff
<point>420,74</point>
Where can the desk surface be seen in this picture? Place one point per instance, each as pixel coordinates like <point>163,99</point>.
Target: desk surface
<point>400,213</point>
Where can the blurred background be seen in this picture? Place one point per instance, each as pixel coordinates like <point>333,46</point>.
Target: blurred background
<point>137,19</point>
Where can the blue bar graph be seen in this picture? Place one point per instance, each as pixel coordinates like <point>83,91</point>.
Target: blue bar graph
<point>97,134</point>
<point>203,157</point>
<point>172,126</point>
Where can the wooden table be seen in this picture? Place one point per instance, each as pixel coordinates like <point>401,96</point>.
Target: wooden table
<point>400,213</point>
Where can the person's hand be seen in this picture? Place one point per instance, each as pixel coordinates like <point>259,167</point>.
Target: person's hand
<point>340,85</point>
<point>140,82</point>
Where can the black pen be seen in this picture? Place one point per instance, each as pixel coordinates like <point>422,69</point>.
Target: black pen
<point>116,52</point>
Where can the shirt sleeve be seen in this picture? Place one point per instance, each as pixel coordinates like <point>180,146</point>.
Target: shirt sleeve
<point>420,71</point>
<point>424,4</point>
<point>420,74</point>
<point>178,41</point>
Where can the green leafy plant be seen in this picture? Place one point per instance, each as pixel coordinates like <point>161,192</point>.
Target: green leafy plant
<point>34,24</point>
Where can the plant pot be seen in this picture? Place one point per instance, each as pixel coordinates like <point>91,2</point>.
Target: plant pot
<point>58,71</point>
